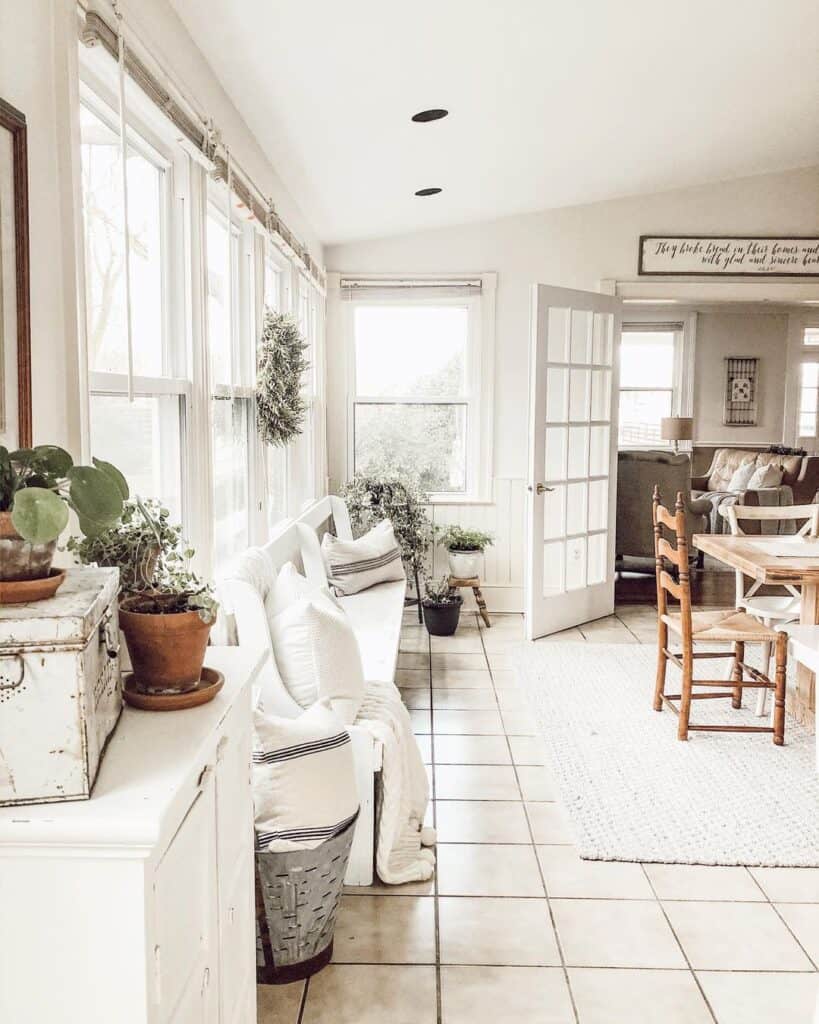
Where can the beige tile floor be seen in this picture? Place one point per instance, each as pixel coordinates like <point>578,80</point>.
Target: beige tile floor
<point>515,927</point>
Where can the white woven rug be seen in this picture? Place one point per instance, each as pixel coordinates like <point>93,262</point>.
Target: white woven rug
<point>635,793</point>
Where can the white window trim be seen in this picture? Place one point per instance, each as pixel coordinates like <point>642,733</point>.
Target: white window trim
<point>479,397</point>
<point>798,353</point>
<point>682,387</point>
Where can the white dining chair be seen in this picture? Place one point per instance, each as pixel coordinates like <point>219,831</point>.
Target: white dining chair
<point>770,609</point>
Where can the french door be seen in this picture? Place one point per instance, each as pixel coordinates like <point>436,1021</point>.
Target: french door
<point>572,458</point>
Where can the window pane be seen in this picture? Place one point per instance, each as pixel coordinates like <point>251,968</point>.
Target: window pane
<point>640,415</point>
<point>411,351</point>
<point>276,485</point>
<point>105,252</point>
<point>219,341</point>
<point>647,359</point>
<point>810,336</point>
<point>141,438</point>
<point>424,441</point>
<point>230,476</point>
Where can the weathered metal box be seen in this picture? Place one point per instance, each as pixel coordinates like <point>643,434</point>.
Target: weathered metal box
<point>60,689</point>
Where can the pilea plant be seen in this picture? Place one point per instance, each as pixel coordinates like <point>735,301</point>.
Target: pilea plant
<point>153,560</point>
<point>39,485</point>
<point>460,538</point>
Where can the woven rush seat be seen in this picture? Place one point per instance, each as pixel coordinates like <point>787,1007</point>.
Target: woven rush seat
<point>724,624</point>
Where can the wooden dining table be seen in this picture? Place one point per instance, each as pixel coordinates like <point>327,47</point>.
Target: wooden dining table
<point>777,560</point>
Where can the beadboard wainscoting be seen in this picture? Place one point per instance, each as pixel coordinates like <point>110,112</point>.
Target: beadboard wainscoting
<point>504,517</point>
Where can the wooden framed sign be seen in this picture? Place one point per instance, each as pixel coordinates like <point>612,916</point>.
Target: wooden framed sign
<point>731,255</point>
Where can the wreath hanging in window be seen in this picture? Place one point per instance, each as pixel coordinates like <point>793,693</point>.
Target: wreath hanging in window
<point>280,363</point>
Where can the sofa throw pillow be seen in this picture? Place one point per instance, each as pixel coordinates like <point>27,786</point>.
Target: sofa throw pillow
<point>317,655</point>
<point>741,476</point>
<point>304,789</point>
<point>354,565</point>
<point>765,476</point>
<point>291,586</point>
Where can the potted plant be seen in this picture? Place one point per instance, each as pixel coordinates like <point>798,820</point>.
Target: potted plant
<point>38,487</point>
<point>442,608</point>
<point>465,548</point>
<point>166,612</point>
<point>370,499</point>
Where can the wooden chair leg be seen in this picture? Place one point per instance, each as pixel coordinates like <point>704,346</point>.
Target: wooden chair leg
<point>482,606</point>
<point>781,656</point>
<point>685,698</point>
<point>762,697</point>
<point>736,674</point>
<point>662,665</point>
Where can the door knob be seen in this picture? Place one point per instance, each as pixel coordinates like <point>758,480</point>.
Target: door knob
<point>541,488</point>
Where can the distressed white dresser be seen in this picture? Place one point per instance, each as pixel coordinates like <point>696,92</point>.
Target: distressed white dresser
<point>137,906</point>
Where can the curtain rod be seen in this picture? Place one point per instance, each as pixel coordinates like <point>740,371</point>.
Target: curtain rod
<point>406,282</point>
<point>202,138</point>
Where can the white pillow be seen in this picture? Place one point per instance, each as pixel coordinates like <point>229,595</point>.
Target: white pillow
<point>290,586</point>
<point>304,789</point>
<point>317,655</point>
<point>740,477</point>
<point>765,476</point>
<point>354,565</point>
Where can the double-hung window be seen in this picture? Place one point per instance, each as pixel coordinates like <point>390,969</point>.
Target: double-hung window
<point>277,299</point>
<point>808,415</point>
<point>650,381</point>
<point>230,331</point>
<point>416,385</point>
<point>144,437</point>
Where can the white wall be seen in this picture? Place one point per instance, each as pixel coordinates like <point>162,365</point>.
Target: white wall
<point>38,75</point>
<point>721,334</point>
<point>576,247</point>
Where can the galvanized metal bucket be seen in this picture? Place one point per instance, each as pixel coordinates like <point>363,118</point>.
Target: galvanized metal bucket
<point>297,898</point>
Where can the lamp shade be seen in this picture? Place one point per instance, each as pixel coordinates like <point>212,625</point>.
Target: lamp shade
<point>676,428</point>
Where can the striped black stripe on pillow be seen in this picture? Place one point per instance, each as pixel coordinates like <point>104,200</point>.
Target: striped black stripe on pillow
<point>300,749</point>
<point>351,568</point>
<point>296,835</point>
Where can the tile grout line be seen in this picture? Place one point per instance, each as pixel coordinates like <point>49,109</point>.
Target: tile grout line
<point>435,905</point>
<point>552,921</point>
<point>679,943</point>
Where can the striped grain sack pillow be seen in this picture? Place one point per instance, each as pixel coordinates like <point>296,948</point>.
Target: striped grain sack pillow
<point>304,789</point>
<point>354,565</point>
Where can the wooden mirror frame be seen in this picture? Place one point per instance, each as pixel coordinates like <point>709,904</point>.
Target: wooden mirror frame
<point>14,122</point>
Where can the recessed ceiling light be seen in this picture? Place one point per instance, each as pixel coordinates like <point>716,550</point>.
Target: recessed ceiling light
<point>429,115</point>
<point>428,191</point>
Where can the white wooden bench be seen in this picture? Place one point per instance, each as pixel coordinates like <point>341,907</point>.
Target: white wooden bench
<point>804,648</point>
<point>375,615</point>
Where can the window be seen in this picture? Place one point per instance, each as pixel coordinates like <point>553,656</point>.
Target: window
<point>808,419</point>
<point>144,436</point>
<point>416,369</point>
<point>230,347</point>
<point>649,357</point>
<point>276,298</point>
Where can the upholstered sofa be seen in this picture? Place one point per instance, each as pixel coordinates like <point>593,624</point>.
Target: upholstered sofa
<point>798,484</point>
<point>638,472</point>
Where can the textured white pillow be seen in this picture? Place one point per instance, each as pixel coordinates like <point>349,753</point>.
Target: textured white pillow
<point>304,789</point>
<point>765,476</point>
<point>740,477</point>
<point>290,586</point>
<point>317,655</point>
<point>354,565</point>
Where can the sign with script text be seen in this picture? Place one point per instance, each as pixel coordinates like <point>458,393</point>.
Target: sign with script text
<point>739,256</point>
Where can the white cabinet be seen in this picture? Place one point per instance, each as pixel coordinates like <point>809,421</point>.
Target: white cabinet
<point>137,906</point>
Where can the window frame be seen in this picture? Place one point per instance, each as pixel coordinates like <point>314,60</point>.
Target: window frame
<point>799,355</point>
<point>479,338</point>
<point>684,326</point>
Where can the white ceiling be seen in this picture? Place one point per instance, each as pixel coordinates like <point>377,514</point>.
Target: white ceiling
<point>553,102</point>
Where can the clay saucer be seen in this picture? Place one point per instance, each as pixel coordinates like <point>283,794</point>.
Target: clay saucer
<point>210,683</point>
<point>23,591</point>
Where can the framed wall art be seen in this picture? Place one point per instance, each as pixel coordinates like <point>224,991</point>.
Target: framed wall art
<point>729,255</point>
<point>741,390</point>
<point>15,308</point>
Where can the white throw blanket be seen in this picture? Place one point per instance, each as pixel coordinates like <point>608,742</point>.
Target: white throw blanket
<point>404,791</point>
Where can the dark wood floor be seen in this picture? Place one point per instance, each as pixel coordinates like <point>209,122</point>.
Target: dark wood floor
<point>710,587</point>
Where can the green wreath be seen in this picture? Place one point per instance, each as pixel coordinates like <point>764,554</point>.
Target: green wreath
<point>280,364</point>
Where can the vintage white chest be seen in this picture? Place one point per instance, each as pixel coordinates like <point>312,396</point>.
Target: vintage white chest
<point>60,689</point>
<point>137,906</point>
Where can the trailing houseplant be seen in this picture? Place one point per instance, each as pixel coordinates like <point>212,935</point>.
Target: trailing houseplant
<point>464,546</point>
<point>166,611</point>
<point>442,607</point>
<point>371,500</point>
<point>38,488</point>
<point>280,367</point>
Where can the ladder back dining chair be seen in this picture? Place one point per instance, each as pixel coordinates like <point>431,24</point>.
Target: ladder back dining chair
<point>731,625</point>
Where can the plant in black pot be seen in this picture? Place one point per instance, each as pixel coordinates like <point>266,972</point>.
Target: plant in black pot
<point>38,487</point>
<point>166,612</point>
<point>442,608</point>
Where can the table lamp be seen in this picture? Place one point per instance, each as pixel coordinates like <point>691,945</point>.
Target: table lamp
<point>676,429</point>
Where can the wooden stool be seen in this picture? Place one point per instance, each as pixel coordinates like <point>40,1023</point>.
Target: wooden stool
<point>475,583</point>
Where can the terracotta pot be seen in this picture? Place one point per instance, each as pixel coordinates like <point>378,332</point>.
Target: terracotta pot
<point>20,559</point>
<point>167,650</point>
